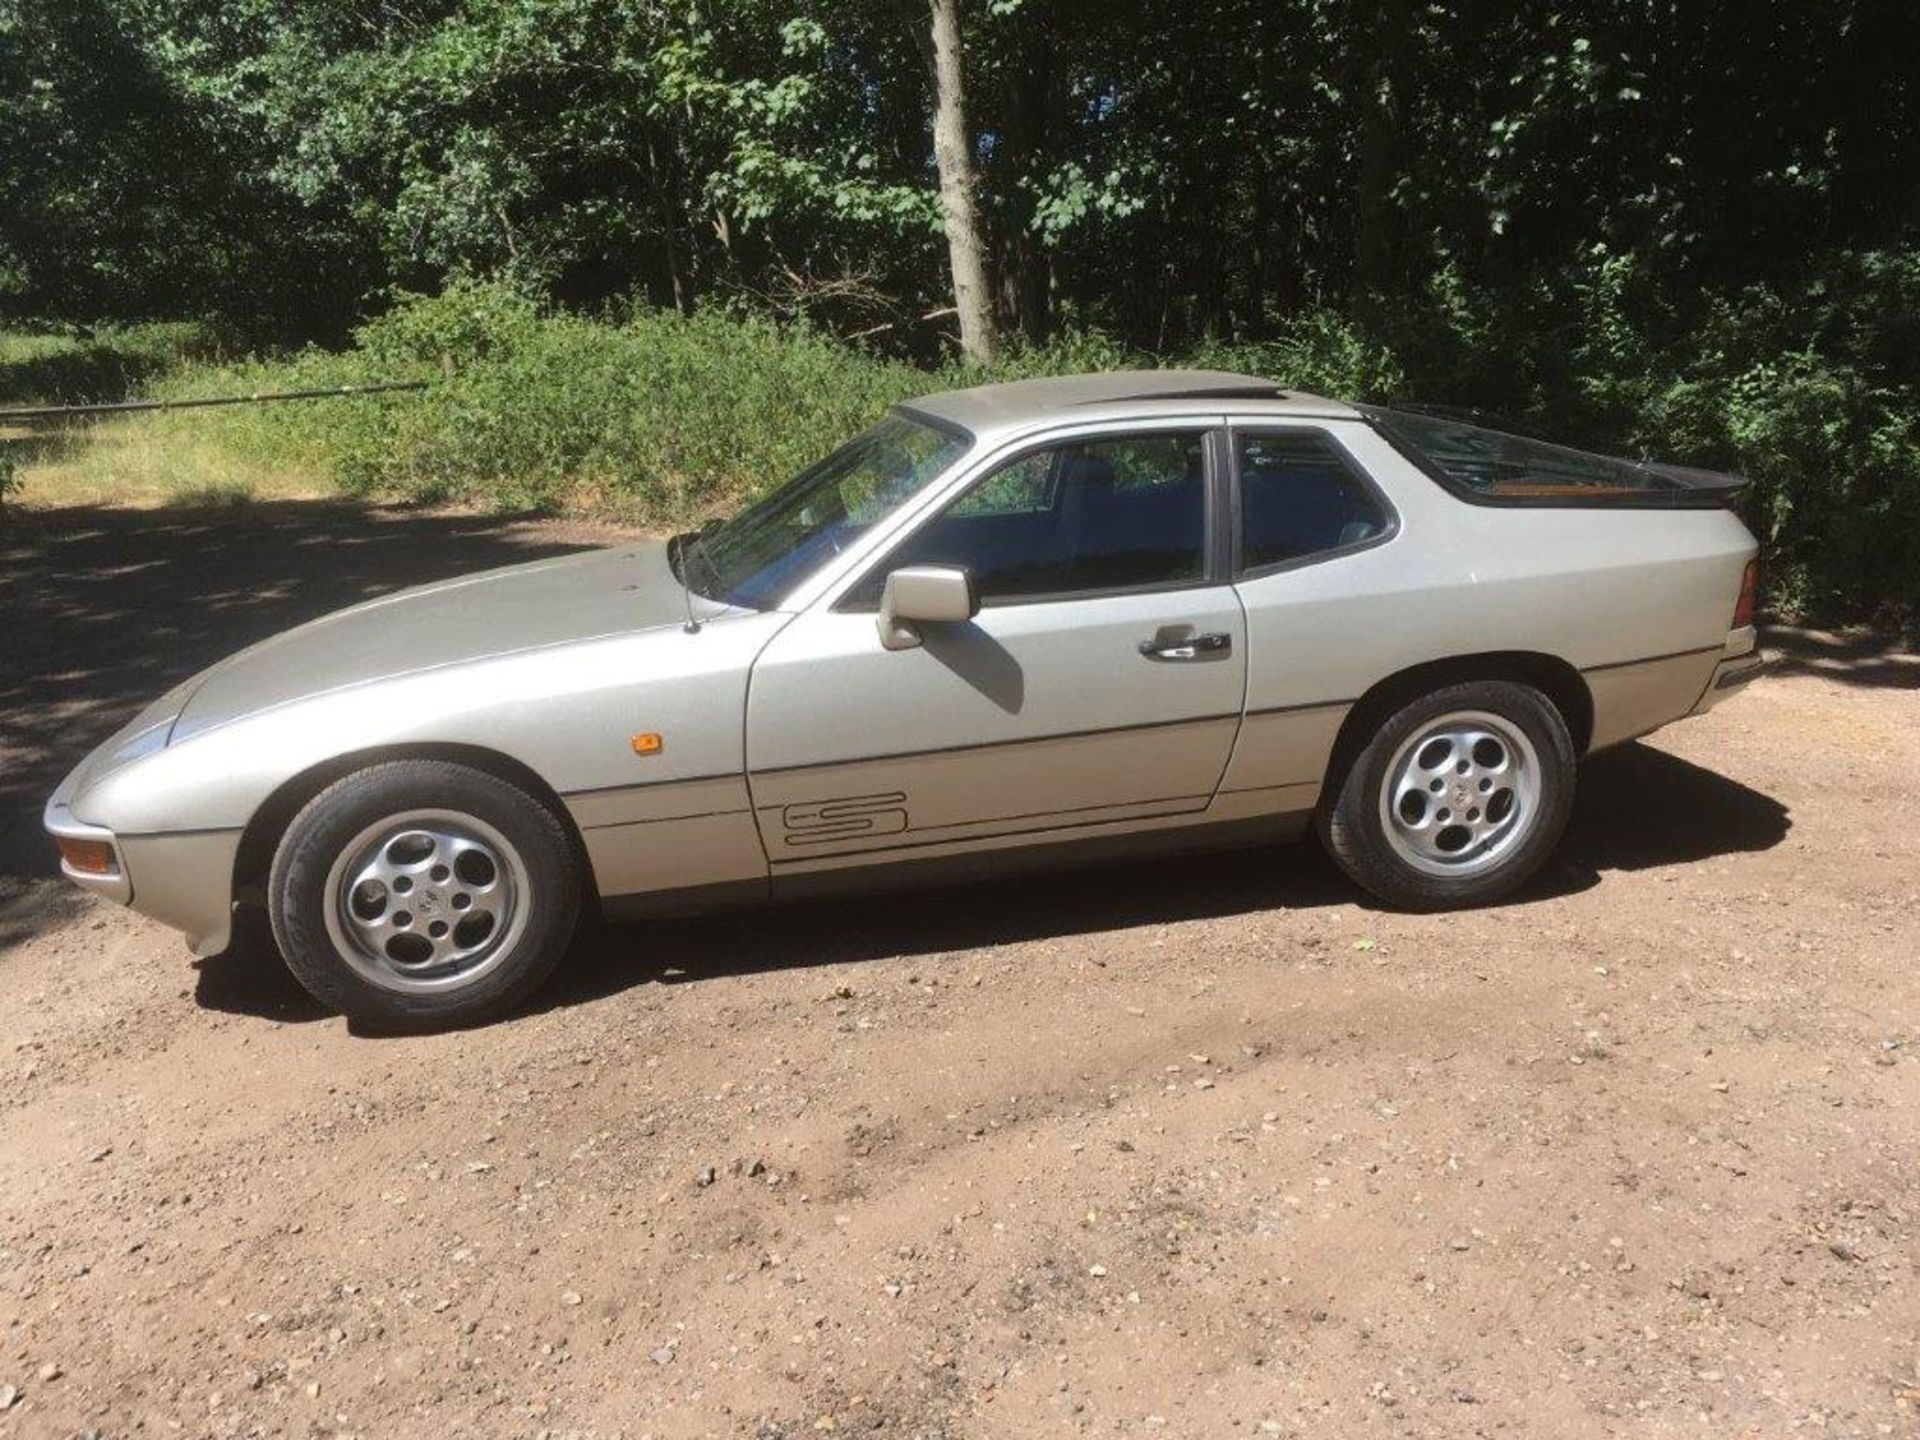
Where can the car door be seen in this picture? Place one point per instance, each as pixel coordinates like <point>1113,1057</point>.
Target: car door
<point>1324,596</point>
<point>1098,688</point>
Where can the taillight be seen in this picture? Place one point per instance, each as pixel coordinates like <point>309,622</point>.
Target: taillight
<point>1749,593</point>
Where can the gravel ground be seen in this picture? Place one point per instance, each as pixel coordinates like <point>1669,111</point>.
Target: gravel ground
<point>1210,1147</point>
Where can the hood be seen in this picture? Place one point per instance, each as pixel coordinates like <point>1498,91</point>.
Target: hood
<point>475,617</point>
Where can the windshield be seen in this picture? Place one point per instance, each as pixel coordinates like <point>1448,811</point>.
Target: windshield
<point>762,554</point>
<point>1498,466</point>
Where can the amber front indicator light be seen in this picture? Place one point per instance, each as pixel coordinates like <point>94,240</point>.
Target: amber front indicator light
<point>88,857</point>
<point>1749,593</point>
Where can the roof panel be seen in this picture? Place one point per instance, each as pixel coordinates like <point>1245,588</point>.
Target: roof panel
<point>1017,403</point>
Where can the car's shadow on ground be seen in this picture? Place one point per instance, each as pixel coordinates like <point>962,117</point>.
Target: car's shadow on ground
<point>1638,808</point>
<point>104,608</point>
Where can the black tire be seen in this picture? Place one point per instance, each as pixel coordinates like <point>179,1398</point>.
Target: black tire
<point>1356,832</point>
<point>530,917</point>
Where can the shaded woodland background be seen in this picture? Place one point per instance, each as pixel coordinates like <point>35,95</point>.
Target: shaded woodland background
<point>656,255</point>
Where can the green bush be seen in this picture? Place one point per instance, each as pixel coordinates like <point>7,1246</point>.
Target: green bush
<point>110,362</point>
<point>1813,394</point>
<point>668,419</point>
<point>662,417</point>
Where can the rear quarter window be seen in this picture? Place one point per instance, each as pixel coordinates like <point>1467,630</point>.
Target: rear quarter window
<point>1299,498</point>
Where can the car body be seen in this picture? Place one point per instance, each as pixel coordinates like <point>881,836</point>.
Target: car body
<point>1178,592</point>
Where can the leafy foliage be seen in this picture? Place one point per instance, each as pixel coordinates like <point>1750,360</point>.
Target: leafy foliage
<point>1685,228</point>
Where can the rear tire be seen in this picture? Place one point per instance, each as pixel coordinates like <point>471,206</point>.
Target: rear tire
<point>421,895</point>
<point>1457,798</point>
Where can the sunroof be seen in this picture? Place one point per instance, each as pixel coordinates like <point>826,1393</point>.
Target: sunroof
<point>1252,390</point>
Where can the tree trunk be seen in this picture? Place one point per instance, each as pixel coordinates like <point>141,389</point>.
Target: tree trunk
<point>953,153</point>
<point>1023,262</point>
<point>1376,248</point>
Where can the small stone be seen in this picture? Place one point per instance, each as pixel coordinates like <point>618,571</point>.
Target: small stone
<point>8,1394</point>
<point>705,1177</point>
<point>1840,1250</point>
<point>1463,1396</point>
<point>51,1370</point>
<point>1098,1272</point>
<point>569,1297</point>
<point>313,1389</point>
<point>663,1355</point>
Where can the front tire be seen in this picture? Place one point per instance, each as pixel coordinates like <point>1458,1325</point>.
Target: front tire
<point>423,894</point>
<point>1457,798</point>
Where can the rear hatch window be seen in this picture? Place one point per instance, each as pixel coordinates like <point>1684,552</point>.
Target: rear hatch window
<point>1493,467</point>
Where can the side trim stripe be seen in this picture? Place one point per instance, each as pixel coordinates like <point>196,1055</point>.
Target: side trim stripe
<point>169,834</point>
<point>1294,709</point>
<point>651,784</point>
<point>660,820</point>
<point>1046,814</point>
<point>1652,659</point>
<point>1009,835</point>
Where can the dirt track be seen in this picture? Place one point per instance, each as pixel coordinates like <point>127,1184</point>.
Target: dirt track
<point>1207,1148</point>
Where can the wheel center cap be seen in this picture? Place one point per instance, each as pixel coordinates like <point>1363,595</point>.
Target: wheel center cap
<point>427,903</point>
<point>1462,795</point>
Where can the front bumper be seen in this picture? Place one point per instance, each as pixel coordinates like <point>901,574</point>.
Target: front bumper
<point>1740,665</point>
<point>183,879</point>
<point>59,822</point>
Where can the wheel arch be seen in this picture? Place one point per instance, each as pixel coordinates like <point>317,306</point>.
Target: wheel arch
<point>1559,681</point>
<point>269,821</point>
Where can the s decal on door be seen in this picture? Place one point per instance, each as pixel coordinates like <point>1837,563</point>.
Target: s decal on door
<point>858,817</point>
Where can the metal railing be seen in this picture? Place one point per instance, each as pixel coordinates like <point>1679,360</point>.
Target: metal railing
<point>128,407</point>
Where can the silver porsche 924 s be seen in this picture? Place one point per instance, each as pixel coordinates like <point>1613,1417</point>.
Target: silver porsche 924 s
<point>1007,623</point>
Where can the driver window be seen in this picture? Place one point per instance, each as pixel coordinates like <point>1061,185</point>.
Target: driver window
<point>1126,512</point>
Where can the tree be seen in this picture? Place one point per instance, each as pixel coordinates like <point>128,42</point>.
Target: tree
<point>953,153</point>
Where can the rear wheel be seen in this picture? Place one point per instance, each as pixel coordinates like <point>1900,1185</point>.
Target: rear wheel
<point>420,894</point>
<point>1457,798</point>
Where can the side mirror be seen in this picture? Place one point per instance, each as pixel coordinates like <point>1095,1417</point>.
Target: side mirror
<point>923,595</point>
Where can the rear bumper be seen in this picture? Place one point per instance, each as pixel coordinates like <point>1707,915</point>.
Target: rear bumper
<point>1739,667</point>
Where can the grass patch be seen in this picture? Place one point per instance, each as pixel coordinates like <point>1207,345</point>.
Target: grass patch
<point>108,363</point>
<point>147,460</point>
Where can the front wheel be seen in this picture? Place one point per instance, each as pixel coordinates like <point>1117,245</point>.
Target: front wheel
<point>421,894</point>
<point>1456,799</point>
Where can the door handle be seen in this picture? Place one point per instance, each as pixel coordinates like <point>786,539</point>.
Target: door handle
<point>1187,647</point>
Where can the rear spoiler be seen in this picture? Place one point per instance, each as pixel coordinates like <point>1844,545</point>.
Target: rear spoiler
<point>1707,484</point>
